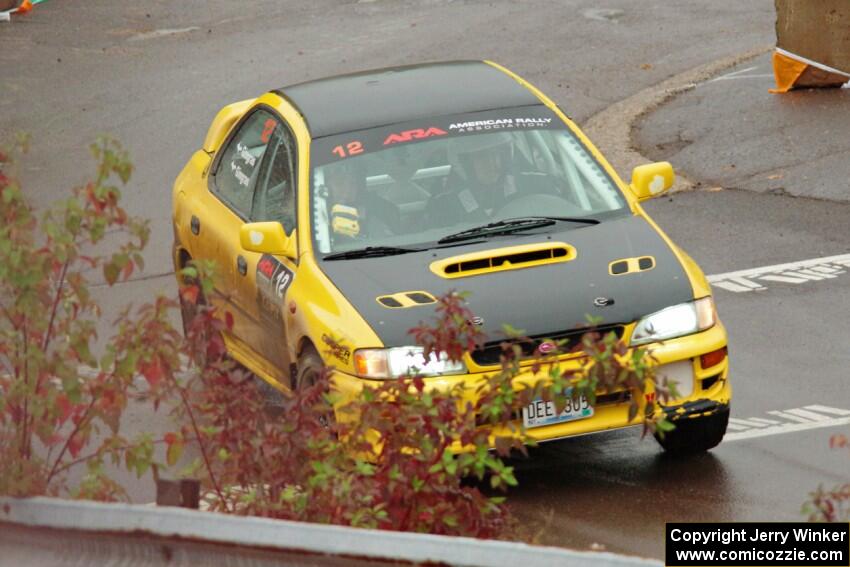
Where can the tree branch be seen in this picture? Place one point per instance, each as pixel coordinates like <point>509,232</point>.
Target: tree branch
<point>68,439</point>
<point>99,452</point>
<point>48,335</point>
<point>207,463</point>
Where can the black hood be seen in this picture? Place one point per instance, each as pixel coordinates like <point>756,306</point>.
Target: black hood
<point>539,300</point>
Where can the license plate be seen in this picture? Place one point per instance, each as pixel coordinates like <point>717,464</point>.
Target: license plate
<point>539,412</point>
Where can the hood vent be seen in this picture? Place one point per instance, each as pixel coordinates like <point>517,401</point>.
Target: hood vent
<point>406,299</point>
<point>502,259</point>
<point>631,265</point>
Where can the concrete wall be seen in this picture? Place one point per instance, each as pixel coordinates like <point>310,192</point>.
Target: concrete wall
<point>51,532</point>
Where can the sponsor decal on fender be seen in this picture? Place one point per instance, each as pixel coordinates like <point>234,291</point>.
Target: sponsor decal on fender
<point>341,352</point>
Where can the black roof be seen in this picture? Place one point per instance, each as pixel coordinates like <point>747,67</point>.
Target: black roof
<point>398,94</point>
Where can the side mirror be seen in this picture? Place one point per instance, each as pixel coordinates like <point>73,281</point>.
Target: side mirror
<point>268,238</point>
<point>652,179</point>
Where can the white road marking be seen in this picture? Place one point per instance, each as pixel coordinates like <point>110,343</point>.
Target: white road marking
<point>808,414</point>
<point>745,423</point>
<point>765,421</point>
<point>784,279</point>
<point>825,409</point>
<point>805,271</point>
<point>790,416</point>
<point>740,74</point>
<point>162,33</point>
<point>729,286</point>
<point>827,270</point>
<point>782,429</point>
<point>793,420</point>
<point>757,76</point>
<point>807,275</point>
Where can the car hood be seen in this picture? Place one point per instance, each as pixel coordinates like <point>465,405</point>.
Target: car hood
<point>538,300</point>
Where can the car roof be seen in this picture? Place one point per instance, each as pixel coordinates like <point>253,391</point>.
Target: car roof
<point>367,99</point>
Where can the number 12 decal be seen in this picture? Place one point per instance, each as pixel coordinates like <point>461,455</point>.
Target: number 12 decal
<point>350,149</point>
<point>268,129</point>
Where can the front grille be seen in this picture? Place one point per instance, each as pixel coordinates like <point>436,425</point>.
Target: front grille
<point>489,354</point>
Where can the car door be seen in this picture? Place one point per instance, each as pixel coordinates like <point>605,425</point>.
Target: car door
<point>232,184</point>
<point>275,200</point>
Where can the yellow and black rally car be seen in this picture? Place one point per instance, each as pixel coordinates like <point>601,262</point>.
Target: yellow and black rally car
<point>338,209</point>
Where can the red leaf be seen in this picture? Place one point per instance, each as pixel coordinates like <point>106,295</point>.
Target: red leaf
<point>127,271</point>
<point>65,408</point>
<point>75,445</point>
<point>228,319</point>
<point>190,294</point>
<point>152,372</point>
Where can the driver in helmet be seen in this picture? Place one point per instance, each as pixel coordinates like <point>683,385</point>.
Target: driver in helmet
<point>481,179</point>
<point>355,213</point>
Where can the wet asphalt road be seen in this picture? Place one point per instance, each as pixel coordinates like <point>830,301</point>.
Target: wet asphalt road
<point>154,75</point>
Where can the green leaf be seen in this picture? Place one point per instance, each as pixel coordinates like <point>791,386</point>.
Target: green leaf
<point>111,273</point>
<point>174,452</point>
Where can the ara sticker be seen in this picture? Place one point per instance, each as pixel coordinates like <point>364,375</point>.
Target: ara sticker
<point>417,134</point>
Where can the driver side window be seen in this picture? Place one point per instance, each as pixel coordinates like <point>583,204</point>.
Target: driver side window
<point>274,198</point>
<point>237,171</point>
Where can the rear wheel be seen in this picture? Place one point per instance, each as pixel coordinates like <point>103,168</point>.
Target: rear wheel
<point>189,310</point>
<point>695,435</point>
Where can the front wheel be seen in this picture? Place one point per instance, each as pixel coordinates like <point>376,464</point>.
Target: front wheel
<point>310,368</point>
<point>695,435</point>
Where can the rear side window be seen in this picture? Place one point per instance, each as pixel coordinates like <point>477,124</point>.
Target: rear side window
<point>239,166</point>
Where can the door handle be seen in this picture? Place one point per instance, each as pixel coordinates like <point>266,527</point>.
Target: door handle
<point>241,265</point>
<point>195,225</point>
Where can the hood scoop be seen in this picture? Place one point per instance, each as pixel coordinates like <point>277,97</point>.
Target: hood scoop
<point>406,299</point>
<point>503,259</point>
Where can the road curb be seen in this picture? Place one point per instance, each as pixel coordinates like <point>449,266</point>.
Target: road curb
<point>611,129</point>
<point>44,531</point>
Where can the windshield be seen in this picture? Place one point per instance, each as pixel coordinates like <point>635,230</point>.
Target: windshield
<point>412,186</point>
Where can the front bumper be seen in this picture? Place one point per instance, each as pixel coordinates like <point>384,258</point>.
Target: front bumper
<point>709,391</point>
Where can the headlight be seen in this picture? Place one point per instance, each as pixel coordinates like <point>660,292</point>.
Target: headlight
<point>676,321</point>
<point>386,363</point>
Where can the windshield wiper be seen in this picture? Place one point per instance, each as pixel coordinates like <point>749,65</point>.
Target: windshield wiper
<point>511,225</point>
<point>371,251</point>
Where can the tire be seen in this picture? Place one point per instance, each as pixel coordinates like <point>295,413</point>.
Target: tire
<point>309,366</point>
<point>697,435</point>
